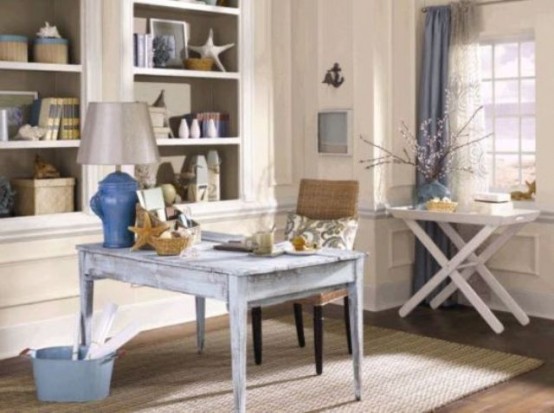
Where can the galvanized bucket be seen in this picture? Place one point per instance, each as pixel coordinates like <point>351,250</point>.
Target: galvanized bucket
<point>58,378</point>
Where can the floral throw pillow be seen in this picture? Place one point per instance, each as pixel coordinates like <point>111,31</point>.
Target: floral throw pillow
<point>333,233</point>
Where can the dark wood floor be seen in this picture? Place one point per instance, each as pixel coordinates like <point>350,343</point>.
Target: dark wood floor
<point>529,393</point>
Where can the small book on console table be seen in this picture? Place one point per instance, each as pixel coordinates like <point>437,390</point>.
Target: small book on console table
<point>236,246</point>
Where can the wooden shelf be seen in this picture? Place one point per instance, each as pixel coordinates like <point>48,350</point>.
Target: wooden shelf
<point>197,74</point>
<point>186,6</point>
<point>198,142</point>
<point>40,67</point>
<point>40,144</point>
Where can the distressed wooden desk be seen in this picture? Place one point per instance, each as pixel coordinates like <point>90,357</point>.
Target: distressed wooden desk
<point>468,260</point>
<point>238,279</point>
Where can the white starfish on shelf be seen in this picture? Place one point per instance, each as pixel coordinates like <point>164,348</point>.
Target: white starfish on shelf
<point>209,50</point>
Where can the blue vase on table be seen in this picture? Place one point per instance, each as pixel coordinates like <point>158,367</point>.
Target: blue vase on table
<point>428,191</point>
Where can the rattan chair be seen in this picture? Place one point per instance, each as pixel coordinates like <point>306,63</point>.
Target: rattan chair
<point>317,199</point>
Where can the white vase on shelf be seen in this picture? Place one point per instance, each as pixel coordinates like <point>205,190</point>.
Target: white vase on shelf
<point>211,130</point>
<point>195,129</point>
<point>184,131</point>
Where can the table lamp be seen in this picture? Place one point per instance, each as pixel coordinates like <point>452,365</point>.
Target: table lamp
<point>117,133</point>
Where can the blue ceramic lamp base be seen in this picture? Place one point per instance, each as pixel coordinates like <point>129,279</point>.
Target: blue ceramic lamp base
<point>115,204</point>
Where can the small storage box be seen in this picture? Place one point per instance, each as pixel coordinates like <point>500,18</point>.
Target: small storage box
<point>58,378</point>
<point>48,50</point>
<point>43,196</point>
<point>13,48</point>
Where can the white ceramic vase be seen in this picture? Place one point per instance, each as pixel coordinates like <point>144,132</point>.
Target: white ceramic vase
<point>195,129</point>
<point>184,131</point>
<point>211,131</point>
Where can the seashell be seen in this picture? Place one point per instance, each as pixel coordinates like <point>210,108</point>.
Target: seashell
<point>49,32</point>
<point>30,133</point>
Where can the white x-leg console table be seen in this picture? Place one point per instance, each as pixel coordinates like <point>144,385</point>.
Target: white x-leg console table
<point>467,260</point>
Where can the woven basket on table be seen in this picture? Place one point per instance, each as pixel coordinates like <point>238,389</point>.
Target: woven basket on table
<point>441,206</point>
<point>204,64</point>
<point>171,246</point>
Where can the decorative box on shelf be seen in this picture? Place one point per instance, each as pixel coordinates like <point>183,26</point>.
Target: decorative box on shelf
<point>13,48</point>
<point>43,196</point>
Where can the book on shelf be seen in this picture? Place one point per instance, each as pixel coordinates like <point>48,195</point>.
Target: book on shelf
<point>162,132</point>
<point>143,47</point>
<point>59,116</point>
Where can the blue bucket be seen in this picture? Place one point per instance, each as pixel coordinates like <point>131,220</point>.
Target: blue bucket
<point>58,378</point>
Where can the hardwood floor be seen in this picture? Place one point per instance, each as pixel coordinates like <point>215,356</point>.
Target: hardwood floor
<point>529,393</point>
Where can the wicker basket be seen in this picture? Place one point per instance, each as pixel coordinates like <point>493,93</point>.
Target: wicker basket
<point>171,246</point>
<point>441,206</point>
<point>13,48</point>
<point>204,64</point>
<point>44,196</point>
<point>51,51</point>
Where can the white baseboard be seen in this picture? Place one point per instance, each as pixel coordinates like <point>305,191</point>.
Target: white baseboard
<point>535,304</point>
<point>59,331</point>
<point>386,296</point>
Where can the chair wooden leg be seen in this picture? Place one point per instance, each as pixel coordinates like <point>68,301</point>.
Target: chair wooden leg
<point>299,321</point>
<point>318,338</point>
<point>256,314</point>
<point>347,324</point>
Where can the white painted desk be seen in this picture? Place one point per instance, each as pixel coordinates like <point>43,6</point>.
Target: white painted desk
<point>238,279</point>
<point>466,262</point>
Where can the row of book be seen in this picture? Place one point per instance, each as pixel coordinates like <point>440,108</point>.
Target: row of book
<point>143,46</point>
<point>59,116</point>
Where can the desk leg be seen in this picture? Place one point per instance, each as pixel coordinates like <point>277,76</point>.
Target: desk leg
<point>238,313</point>
<point>86,287</point>
<point>355,300</point>
<point>200,323</point>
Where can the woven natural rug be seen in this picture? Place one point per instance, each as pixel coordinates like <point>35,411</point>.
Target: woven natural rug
<point>402,373</point>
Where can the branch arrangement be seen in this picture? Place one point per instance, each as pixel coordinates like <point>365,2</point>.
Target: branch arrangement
<point>434,156</point>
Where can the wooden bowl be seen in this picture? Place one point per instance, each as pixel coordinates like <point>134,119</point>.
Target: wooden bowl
<point>204,64</point>
<point>441,206</point>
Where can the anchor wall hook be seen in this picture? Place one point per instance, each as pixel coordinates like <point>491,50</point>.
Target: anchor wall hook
<point>333,76</point>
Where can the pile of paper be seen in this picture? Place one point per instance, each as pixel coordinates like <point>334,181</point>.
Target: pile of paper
<point>101,346</point>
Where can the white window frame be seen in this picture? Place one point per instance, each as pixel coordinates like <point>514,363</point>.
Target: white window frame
<point>494,41</point>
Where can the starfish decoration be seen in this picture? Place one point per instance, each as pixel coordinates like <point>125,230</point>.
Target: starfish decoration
<point>147,232</point>
<point>209,50</point>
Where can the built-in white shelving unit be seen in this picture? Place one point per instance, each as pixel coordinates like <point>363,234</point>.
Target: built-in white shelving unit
<point>206,91</point>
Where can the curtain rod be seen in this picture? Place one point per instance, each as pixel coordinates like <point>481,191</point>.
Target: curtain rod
<point>485,3</point>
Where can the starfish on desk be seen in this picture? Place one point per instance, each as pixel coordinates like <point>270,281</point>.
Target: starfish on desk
<point>147,232</point>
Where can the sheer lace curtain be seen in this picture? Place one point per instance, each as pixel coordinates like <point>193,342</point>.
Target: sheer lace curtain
<point>465,99</point>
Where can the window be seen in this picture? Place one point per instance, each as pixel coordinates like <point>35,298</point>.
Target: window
<point>508,88</point>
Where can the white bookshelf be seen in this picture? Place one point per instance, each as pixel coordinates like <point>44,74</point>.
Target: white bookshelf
<point>40,67</point>
<point>199,142</point>
<point>40,144</point>
<point>189,7</point>
<point>206,91</point>
<point>196,74</point>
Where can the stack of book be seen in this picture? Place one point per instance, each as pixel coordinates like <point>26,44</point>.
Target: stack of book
<point>59,116</point>
<point>159,124</point>
<point>143,46</point>
<point>221,121</point>
<point>492,203</point>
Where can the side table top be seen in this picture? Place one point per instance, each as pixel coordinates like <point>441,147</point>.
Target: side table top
<point>515,216</point>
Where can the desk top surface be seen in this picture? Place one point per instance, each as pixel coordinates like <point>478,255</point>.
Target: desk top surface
<point>204,258</point>
<point>516,216</point>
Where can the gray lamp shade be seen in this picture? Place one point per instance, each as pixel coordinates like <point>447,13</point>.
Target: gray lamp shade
<point>118,133</point>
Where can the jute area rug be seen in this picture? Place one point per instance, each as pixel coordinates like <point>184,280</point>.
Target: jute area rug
<point>401,373</point>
